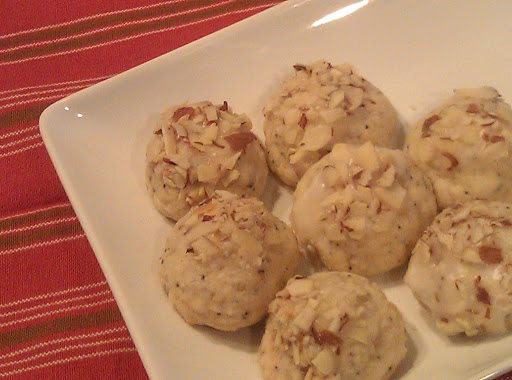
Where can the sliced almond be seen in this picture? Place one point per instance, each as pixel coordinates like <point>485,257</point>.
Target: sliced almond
<point>325,362</point>
<point>316,137</point>
<point>300,287</point>
<point>238,141</point>
<point>354,96</point>
<point>336,98</point>
<point>188,112</point>
<point>230,162</point>
<point>388,177</point>
<point>211,113</point>
<point>292,116</point>
<point>305,318</point>
<point>482,295</point>
<point>231,177</point>
<point>490,255</point>
<point>471,256</point>
<point>453,162</point>
<point>207,173</point>
<point>326,337</point>
<point>393,196</point>
<point>366,156</point>
<point>357,223</point>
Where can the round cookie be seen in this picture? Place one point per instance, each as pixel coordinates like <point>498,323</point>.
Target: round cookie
<point>332,325</point>
<point>225,260</point>
<point>197,149</point>
<point>461,269</point>
<point>319,106</point>
<point>464,147</point>
<point>362,208</point>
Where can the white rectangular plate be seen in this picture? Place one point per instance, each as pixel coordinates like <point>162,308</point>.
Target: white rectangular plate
<point>416,52</point>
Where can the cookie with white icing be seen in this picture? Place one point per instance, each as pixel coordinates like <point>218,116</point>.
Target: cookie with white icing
<point>461,269</point>
<point>362,208</point>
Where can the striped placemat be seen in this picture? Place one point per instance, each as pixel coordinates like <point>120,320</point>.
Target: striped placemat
<point>58,318</point>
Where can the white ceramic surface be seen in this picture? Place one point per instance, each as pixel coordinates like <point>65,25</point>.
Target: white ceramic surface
<point>415,51</point>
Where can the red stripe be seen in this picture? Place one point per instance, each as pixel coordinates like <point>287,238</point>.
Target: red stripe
<point>118,365</point>
<point>46,343</point>
<point>109,366</point>
<point>59,11</point>
<point>107,60</point>
<point>32,172</point>
<point>48,269</point>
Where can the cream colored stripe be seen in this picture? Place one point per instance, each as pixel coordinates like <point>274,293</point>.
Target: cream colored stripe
<point>115,26</point>
<point>67,348</point>
<point>58,302</point>
<point>139,35</point>
<point>57,311</point>
<point>42,244</point>
<point>19,132</point>
<point>47,85</point>
<point>35,211</point>
<point>46,91</point>
<point>37,225</point>
<point>54,294</point>
<point>50,342</point>
<point>35,100</point>
<point>67,360</point>
<point>19,141</point>
<point>21,150</point>
<point>91,17</point>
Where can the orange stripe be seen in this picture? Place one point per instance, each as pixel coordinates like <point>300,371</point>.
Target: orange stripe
<point>58,325</point>
<point>112,35</point>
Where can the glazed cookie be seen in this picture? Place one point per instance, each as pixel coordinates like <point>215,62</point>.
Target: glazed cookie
<point>464,147</point>
<point>197,149</point>
<point>461,269</point>
<point>319,106</point>
<point>362,208</point>
<point>332,325</point>
<point>225,260</point>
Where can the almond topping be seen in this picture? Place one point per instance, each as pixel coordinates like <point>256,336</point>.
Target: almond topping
<point>180,112</point>
<point>300,67</point>
<point>326,337</point>
<point>303,121</point>
<point>238,141</point>
<point>168,161</point>
<point>427,123</point>
<point>490,255</point>
<point>224,106</point>
<point>453,161</point>
<point>472,108</point>
<point>493,139</point>
<point>482,295</point>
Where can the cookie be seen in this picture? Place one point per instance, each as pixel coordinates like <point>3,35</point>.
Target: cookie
<point>321,105</point>
<point>362,208</point>
<point>197,149</point>
<point>461,269</point>
<point>464,147</point>
<point>225,260</point>
<point>332,325</point>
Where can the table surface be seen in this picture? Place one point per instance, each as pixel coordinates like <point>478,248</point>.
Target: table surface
<point>58,318</point>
